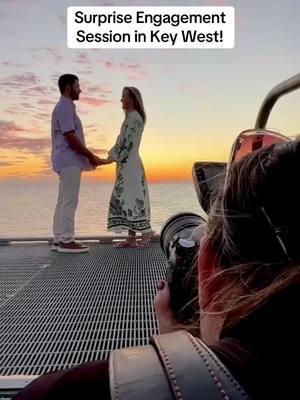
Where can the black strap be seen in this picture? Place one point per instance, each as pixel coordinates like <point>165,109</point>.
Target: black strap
<point>174,366</point>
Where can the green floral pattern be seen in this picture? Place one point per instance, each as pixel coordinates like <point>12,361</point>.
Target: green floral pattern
<point>129,206</point>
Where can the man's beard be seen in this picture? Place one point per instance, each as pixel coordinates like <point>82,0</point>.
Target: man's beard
<point>74,95</point>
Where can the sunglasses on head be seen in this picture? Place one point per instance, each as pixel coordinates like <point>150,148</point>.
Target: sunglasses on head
<point>210,176</point>
<point>254,139</point>
<point>247,142</point>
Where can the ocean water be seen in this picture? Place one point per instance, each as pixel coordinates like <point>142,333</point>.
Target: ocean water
<point>26,207</point>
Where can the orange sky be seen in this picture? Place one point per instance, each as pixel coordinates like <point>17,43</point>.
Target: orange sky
<point>197,101</point>
<point>159,166</point>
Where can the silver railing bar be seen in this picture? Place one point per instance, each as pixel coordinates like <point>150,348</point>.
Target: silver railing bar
<point>287,86</point>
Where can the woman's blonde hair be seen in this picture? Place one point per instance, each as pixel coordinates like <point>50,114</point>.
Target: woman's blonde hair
<point>136,96</point>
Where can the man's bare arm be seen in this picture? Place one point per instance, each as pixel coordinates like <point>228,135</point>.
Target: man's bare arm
<point>77,146</point>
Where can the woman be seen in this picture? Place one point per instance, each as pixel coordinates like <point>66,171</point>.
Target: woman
<point>249,275</point>
<point>129,207</point>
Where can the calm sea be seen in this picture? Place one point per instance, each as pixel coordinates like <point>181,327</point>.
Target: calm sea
<point>26,207</point>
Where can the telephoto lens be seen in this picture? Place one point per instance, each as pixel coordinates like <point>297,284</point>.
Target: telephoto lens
<point>180,238</point>
<point>183,225</point>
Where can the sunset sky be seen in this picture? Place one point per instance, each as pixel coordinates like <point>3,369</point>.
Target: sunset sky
<point>197,101</point>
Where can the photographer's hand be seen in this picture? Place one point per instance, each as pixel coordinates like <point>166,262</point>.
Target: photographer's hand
<point>164,314</point>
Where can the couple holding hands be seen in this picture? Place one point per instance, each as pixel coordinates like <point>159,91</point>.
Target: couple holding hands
<point>129,207</point>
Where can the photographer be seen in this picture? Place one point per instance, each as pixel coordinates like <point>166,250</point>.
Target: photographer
<point>249,275</point>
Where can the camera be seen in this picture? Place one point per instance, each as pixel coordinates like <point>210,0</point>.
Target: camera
<point>180,238</point>
<point>181,234</point>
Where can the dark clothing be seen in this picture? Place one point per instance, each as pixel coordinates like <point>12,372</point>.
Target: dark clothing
<point>259,351</point>
<point>262,350</point>
<point>85,381</point>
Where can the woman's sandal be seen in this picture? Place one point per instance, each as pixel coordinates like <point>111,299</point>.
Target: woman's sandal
<point>124,244</point>
<point>144,242</point>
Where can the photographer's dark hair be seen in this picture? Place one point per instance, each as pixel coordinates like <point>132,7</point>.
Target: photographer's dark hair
<point>260,202</point>
<point>66,79</point>
<point>136,96</point>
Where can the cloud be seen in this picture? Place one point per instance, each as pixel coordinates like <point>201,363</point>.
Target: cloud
<point>54,53</point>
<point>27,77</point>
<point>55,77</point>
<point>131,66</point>
<point>13,65</point>
<point>92,128</point>
<point>62,19</point>
<point>82,58</point>
<point>108,64</point>
<point>38,90</point>
<point>46,54</point>
<point>27,105</point>
<point>98,89</point>
<point>45,116</point>
<point>82,61</point>
<point>134,71</point>
<point>15,110</point>
<point>19,80</point>
<point>87,71</point>
<point>94,102</point>
<point>5,164</point>
<point>7,90</point>
<point>24,108</point>
<point>9,126</point>
<point>46,102</point>
<point>12,136</point>
<point>102,91</point>
<point>35,57</point>
<point>137,76</point>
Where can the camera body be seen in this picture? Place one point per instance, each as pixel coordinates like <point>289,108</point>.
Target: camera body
<point>181,276</point>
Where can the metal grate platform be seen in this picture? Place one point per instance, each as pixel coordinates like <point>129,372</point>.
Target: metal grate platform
<point>19,264</point>
<point>59,310</point>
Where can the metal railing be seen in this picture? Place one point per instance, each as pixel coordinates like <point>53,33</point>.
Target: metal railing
<point>287,86</point>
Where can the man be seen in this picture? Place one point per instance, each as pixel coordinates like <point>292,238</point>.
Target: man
<point>69,158</point>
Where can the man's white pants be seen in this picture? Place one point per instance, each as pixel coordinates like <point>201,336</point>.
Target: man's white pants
<point>68,192</point>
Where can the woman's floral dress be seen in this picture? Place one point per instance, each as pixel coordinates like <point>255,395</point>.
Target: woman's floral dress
<point>129,206</point>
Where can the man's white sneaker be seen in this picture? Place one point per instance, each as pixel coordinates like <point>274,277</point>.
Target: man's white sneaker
<point>72,247</point>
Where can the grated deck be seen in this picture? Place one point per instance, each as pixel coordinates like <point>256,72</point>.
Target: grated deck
<point>59,310</point>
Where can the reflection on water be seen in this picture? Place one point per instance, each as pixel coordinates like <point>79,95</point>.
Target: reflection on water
<point>26,207</point>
